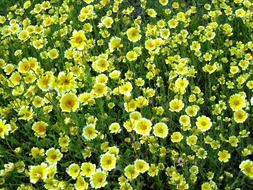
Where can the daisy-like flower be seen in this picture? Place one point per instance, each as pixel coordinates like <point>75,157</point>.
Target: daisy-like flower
<point>38,173</point>
<point>176,105</point>
<point>224,156</point>
<point>143,127</point>
<point>40,128</point>
<point>69,102</point>
<point>160,130</point>
<point>203,123</point>
<point>4,128</point>
<point>131,172</point>
<point>81,184</point>
<point>141,165</point>
<point>78,40</point>
<point>88,169</point>
<point>73,170</point>
<point>176,137</point>
<point>240,116</point>
<point>237,102</point>
<point>108,162</point>
<point>133,34</point>
<point>98,179</point>
<point>89,132</point>
<point>53,155</point>
<point>246,167</point>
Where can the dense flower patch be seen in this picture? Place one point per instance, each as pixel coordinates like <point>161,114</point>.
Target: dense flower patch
<point>126,94</point>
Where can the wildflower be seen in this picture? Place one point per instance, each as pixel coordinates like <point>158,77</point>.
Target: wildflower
<point>240,116</point>
<point>73,170</point>
<point>38,173</point>
<point>130,172</point>
<point>176,137</point>
<point>4,128</point>
<point>176,105</point>
<point>100,65</point>
<point>141,165</point>
<point>143,127</point>
<point>133,34</point>
<point>98,179</point>
<point>69,102</point>
<point>53,155</point>
<point>237,102</point>
<point>160,130</point>
<point>88,169</point>
<point>203,123</point>
<point>224,156</point>
<point>81,184</point>
<point>246,167</point>
<point>89,132</point>
<point>114,128</point>
<point>115,43</point>
<point>108,162</point>
<point>78,40</point>
<point>40,128</point>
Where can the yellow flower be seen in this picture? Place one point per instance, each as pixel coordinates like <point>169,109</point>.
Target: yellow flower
<point>240,13</point>
<point>181,84</point>
<point>69,103</point>
<point>40,128</point>
<point>114,128</point>
<point>65,82</point>
<point>115,43</point>
<point>36,152</point>
<point>141,165</point>
<point>240,116</point>
<point>184,120</point>
<point>153,170</point>
<point>143,127</point>
<point>224,156</point>
<point>108,162</point>
<point>99,90</point>
<point>53,155</point>
<point>107,21</point>
<point>53,53</point>
<point>176,137</point>
<point>163,2</point>
<point>89,132</point>
<point>195,46</point>
<point>78,40</point>
<point>203,123</point>
<point>191,140</point>
<point>38,102</point>
<point>88,169</point>
<point>130,172</point>
<point>126,89</point>
<point>46,81</point>
<point>246,167</point>
<point>133,34</point>
<point>81,184</point>
<point>192,110</point>
<point>176,105</point>
<point>160,130</point>
<point>4,128</point>
<point>237,102</point>
<point>131,56</point>
<point>98,179</point>
<point>64,141</point>
<point>100,65</point>
<point>37,173</point>
<point>73,170</point>
<point>26,113</point>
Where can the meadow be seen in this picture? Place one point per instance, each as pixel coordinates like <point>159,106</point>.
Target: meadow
<point>126,94</point>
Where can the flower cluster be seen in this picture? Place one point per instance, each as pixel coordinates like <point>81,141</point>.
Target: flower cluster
<point>148,94</point>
